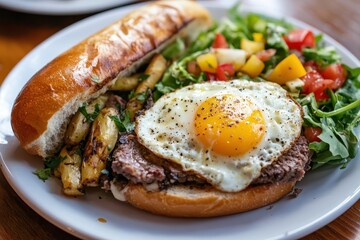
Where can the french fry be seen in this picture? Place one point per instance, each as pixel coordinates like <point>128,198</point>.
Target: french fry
<point>155,70</point>
<point>79,126</point>
<point>101,142</point>
<point>69,170</point>
<point>126,83</point>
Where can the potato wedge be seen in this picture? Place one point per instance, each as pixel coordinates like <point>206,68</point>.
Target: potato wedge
<point>69,170</point>
<point>101,142</point>
<point>79,126</point>
<point>155,70</point>
<point>126,83</point>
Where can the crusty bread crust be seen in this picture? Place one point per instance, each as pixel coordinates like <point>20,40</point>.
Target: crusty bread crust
<point>183,201</point>
<point>42,110</point>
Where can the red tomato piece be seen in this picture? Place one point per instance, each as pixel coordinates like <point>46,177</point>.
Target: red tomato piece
<point>299,38</point>
<point>265,55</point>
<point>309,79</point>
<point>225,72</point>
<point>335,72</point>
<point>311,65</point>
<point>321,84</point>
<point>220,41</point>
<point>193,68</point>
<point>315,83</point>
<point>312,133</point>
<point>320,95</point>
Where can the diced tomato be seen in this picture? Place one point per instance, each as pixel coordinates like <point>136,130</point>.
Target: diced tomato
<point>265,55</point>
<point>220,41</point>
<point>335,72</point>
<point>210,76</point>
<point>225,72</point>
<point>309,78</point>
<point>315,83</point>
<point>311,65</point>
<point>312,133</point>
<point>321,84</point>
<point>193,68</point>
<point>299,38</point>
<point>320,95</point>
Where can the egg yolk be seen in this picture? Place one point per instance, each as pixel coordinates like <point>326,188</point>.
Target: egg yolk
<point>229,125</point>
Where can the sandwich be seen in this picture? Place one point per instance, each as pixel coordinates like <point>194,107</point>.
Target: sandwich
<point>182,135</point>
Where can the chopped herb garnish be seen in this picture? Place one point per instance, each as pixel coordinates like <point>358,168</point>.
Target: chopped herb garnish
<point>142,96</point>
<point>90,117</point>
<point>143,77</point>
<point>50,163</point>
<point>123,123</point>
<point>43,174</point>
<point>131,94</point>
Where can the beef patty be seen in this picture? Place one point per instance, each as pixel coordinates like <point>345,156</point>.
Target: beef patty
<point>139,165</point>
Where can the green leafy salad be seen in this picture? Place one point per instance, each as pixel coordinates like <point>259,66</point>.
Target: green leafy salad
<point>259,48</point>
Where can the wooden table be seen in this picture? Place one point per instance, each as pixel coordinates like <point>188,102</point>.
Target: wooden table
<point>19,33</point>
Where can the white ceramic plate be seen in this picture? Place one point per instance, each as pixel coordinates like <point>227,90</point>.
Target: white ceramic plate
<point>326,194</point>
<point>61,7</point>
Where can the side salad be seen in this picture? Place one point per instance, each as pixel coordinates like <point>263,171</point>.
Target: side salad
<point>259,48</point>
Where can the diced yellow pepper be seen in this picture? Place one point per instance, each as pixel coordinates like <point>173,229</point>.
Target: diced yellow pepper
<point>207,62</point>
<point>251,46</point>
<point>253,67</point>
<point>258,37</point>
<point>288,69</point>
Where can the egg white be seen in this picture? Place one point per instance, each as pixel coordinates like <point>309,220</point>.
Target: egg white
<point>167,129</point>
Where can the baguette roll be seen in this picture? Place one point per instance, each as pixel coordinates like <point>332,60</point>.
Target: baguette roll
<point>43,108</point>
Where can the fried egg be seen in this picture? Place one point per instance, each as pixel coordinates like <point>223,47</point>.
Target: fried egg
<point>225,132</point>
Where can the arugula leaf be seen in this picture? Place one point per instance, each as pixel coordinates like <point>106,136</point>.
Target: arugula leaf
<point>90,117</point>
<point>177,76</point>
<point>256,23</point>
<point>322,56</point>
<point>339,142</point>
<point>319,40</point>
<point>123,123</point>
<point>275,40</point>
<point>336,147</point>
<point>354,73</point>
